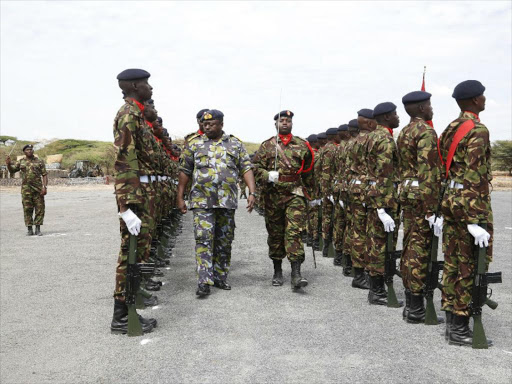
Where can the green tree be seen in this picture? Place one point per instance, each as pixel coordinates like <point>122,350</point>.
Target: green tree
<point>502,155</point>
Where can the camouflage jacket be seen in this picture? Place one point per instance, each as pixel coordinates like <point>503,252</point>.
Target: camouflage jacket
<point>328,169</point>
<point>215,167</point>
<point>340,168</point>
<point>357,165</point>
<point>471,167</point>
<point>382,163</point>
<point>300,159</point>
<point>343,171</point>
<point>317,171</point>
<point>419,160</point>
<point>135,155</point>
<point>31,173</point>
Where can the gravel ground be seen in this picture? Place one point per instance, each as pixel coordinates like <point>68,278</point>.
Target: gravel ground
<point>56,306</point>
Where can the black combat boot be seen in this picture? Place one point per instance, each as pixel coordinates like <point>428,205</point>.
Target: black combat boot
<point>150,301</point>
<point>152,285</point>
<point>359,280</point>
<point>30,232</point>
<point>377,294</point>
<point>277,279</point>
<point>416,310</point>
<point>297,280</point>
<point>459,333</point>
<point>325,250</point>
<point>338,259</point>
<point>449,318</point>
<point>203,290</point>
<point>38,231</point>
<point>347,269</point>
<point>407,304</point>
<point>309,240</point>
<point>316,244</point>
<point>120,319</point>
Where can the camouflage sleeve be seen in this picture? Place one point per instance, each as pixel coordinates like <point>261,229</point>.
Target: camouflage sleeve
<point>325,173</point>
<point>260,166</point>
<point>384,172</point>
<point>429,170</point>
<point>126,166</point>
<point>308,178</point>
<point>187,160</point>
<point>476,184</point>
<point>43,169</point>
<point>14,168</point>
<point>245,161</point>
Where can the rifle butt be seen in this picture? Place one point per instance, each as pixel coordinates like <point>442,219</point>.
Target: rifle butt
<point>134,326</point>
<point>479,339</point>
<point>392,299</point>
<point>430,312</point>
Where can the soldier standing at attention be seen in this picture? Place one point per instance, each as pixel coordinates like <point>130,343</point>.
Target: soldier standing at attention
<point>382,199</point>
<point>214,161</point>
<point>132,186</point>
<point>33,187</point>
<point>419,170</point>
<point>313,209</point>
<point>466,204</point>
<point>284,195</point>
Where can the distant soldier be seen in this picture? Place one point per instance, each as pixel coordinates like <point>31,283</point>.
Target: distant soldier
<point>214,161</point>
<point>315,193</point>
<point>199,119</point>
<point>420,168</point>
<point>132,175</point>
<point>284,192</point>
<point>33,187</point>
<point>314,205</point>
<point>382,199</point>
<point>466,204</point>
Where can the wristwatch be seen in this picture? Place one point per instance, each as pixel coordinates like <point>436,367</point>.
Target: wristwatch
<point>252,194</point>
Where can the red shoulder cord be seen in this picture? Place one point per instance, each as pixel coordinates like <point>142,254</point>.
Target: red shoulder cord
<point>141,106</point>
<point>301,170</point>
<point>463,129</point>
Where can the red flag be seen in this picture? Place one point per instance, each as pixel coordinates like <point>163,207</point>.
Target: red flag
<point>423,89</point>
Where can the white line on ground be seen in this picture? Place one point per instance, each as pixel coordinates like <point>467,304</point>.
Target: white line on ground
<point>507,352</point>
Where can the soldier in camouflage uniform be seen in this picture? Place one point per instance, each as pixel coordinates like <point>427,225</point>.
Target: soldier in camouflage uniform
<point>33,187</point>
<point>313,206</point>
<point>132,171</point>
<point>284,195</point>
<point>466,203</point>
<point>317,203</point>
<point>382,199</point>
<point>419,193</point>
<point>214,161</point>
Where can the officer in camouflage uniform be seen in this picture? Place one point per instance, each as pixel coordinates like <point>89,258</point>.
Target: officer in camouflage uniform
<point>33,187</point>
<point>382,199</point>
<point>326,176</point>
<point>353,130</point>
<point>214,161</point>
<point>419,194</point>
<point>284,195</point>
<point>466,203</point>
<point>357,167</point>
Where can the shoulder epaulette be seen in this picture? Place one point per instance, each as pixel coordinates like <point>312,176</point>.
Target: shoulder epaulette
<point>234,137</point>
<point>191,136</point>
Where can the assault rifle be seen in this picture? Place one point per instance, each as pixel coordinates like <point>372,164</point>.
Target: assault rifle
<point>134,293</point>
<point>390,270</point>
<point>479,297</point>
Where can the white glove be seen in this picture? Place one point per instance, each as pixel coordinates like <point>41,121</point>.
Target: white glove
<point>312,203</point>
<point>341,203</point>
<point>331,199</point>
<point>132,221</point>
<point>389,223</point>
<point>437,223</point>
<point>273,176</point>
<point>481,235</point>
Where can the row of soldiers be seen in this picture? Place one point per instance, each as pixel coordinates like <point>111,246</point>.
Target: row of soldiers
<point>366,184</point>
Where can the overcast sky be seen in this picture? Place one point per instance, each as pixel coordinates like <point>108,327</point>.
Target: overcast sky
<point>59,62</point>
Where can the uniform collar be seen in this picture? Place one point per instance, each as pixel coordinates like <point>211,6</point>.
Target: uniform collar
<point>469,115</point>
<point>386,128</point>
<point>141,106</point>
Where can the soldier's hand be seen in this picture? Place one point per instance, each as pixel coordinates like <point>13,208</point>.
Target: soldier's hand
<point>180,203</point>
<point>387,221</point>
<point>43,191</point>
<point>273,176</point>
<point>8,160</point>
<point>133,223</point>
<point>250,203</point>
<point>481,235</point>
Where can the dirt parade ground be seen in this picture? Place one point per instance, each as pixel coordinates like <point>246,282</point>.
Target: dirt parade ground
<point>56,308</point>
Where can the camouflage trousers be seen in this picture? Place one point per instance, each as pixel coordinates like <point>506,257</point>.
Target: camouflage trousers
<point>285,223</point>
<point>459,266</point>
<point>142,211</point>
<point>312,223</point>
<point>339,227</point>
<point>376,241</point>
<point>214,231</point>
<point>327,211</point>
<point>347,240</point>
<point>416,247</point>
<point>33,203</point>
<point>358,233</point>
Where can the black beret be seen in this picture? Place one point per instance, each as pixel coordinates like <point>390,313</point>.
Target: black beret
<point>353,123</point>
<point>321,136</point>
<point>312,138</point>
<point>165,132</point>
<point>416,97</point>
<point>343,128</point>
<point>332,131</point>
<point>201,113</point>
<point>160,120</point>
<point>365,112</point>
<point>133,74</point>
<point>150,101</point>
<point>383,108</point>
<point>28,146</point>
<point>213,114</point>
<point>284,113</point>
<point>468,89</point>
